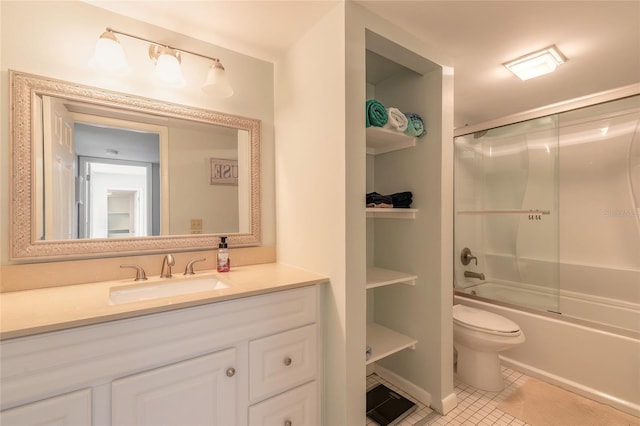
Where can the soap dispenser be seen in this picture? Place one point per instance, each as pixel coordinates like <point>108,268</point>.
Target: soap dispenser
<point>223,261</point>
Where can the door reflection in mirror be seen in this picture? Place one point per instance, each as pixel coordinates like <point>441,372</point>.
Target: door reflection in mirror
<point>117,164</point>
<point>88,156</point>
<point>117,199</point>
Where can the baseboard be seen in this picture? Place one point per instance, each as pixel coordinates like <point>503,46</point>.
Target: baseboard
<point>415,391</point>
<point>587,392</point>
<point>449,402</point>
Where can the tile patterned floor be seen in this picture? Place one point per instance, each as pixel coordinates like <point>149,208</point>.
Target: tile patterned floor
<point>475,407</point>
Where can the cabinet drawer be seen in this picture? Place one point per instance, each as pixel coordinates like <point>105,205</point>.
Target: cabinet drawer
<point>282,361</point>
<point>297,407</point>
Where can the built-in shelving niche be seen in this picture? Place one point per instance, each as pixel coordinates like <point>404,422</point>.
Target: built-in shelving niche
<point>404,322</point>
<point>383,341</point>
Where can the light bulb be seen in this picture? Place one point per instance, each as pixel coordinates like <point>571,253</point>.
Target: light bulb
<point>109,55</point>
<point>217,82</point>
<point>167,71</point>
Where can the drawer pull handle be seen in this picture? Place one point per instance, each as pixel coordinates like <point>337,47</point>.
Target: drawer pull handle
<point>287,362</point>
<point>288,423</point>
<point>231,372</point>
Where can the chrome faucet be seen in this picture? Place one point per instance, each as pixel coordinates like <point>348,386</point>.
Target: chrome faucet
<point>169,261</point>
<point>471,274</point>
<point>189,269</point>
<point>140,275</point>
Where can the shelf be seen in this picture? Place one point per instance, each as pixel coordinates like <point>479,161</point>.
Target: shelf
<point>391,213</point>
<point>378,277</point>
<point>380,140</point>
<point>384,342</point>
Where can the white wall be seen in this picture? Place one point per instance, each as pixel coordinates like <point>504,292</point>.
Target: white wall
<point>56,39</point>
<point>312,199</point>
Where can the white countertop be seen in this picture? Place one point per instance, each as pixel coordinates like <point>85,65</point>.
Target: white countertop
<point>28,312</point>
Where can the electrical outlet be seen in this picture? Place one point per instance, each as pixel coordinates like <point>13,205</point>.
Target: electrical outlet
<point>196,226</point>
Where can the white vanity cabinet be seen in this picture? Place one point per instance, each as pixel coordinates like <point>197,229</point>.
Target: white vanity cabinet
<point>254,360</point>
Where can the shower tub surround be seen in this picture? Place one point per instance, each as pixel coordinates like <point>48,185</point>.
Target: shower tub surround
<point>551,208</point>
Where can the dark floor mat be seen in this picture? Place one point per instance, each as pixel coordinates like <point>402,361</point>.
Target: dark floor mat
<point>386,407</point>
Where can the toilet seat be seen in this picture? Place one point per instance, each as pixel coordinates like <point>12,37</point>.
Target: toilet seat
<point>484,322</point>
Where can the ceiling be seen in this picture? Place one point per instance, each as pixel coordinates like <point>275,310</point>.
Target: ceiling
<point>601,40</point>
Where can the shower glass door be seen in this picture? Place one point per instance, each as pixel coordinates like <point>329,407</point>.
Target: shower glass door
<point>506,214</point>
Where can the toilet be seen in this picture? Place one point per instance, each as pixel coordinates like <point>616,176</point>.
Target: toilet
<point>478,337</point>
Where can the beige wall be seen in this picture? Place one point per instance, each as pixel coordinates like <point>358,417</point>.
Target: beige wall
<point>56,39</point>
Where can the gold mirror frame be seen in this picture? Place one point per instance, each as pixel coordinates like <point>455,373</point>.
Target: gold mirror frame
<point>24,246</point>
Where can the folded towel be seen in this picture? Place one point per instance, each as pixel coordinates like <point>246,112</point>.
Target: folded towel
<point>415,126</point>
<point>397,120</point>
<point>375,198</point>
<point>399,200</point>
<point>376,113</point>
<point>402,200</point>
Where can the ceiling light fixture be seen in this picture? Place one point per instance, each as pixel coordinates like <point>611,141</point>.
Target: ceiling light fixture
<point>535,64</point>
<point>109,56</point>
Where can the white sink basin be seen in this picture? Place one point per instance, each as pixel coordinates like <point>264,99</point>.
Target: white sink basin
<point>167,287</point>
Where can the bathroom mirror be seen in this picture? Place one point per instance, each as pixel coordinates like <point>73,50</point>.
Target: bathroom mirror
<point>96,172</point>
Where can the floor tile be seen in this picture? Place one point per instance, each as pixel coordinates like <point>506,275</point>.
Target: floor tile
<point>475,407</point>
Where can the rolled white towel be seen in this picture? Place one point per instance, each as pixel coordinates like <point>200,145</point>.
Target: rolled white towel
<point>397,120</point>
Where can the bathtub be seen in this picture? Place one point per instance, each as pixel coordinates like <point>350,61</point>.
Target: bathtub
<point>598,362</point>
<point>610,313</point>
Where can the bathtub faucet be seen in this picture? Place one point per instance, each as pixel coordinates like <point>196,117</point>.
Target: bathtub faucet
<point>471,274</point>
<point>466,257</point>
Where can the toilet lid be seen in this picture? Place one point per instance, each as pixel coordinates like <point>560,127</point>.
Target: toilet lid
<point>477,318</point>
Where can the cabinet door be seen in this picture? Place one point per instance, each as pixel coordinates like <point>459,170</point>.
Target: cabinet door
<point>199,391</point>
<point>297,407</point>
<point>72,409</point>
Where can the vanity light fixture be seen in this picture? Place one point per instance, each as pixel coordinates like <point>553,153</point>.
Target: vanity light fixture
<point>109,55</point>
<point>537,63</point>
<point>167,71</point>
<point>217,82</point>
<point>167,61</point>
